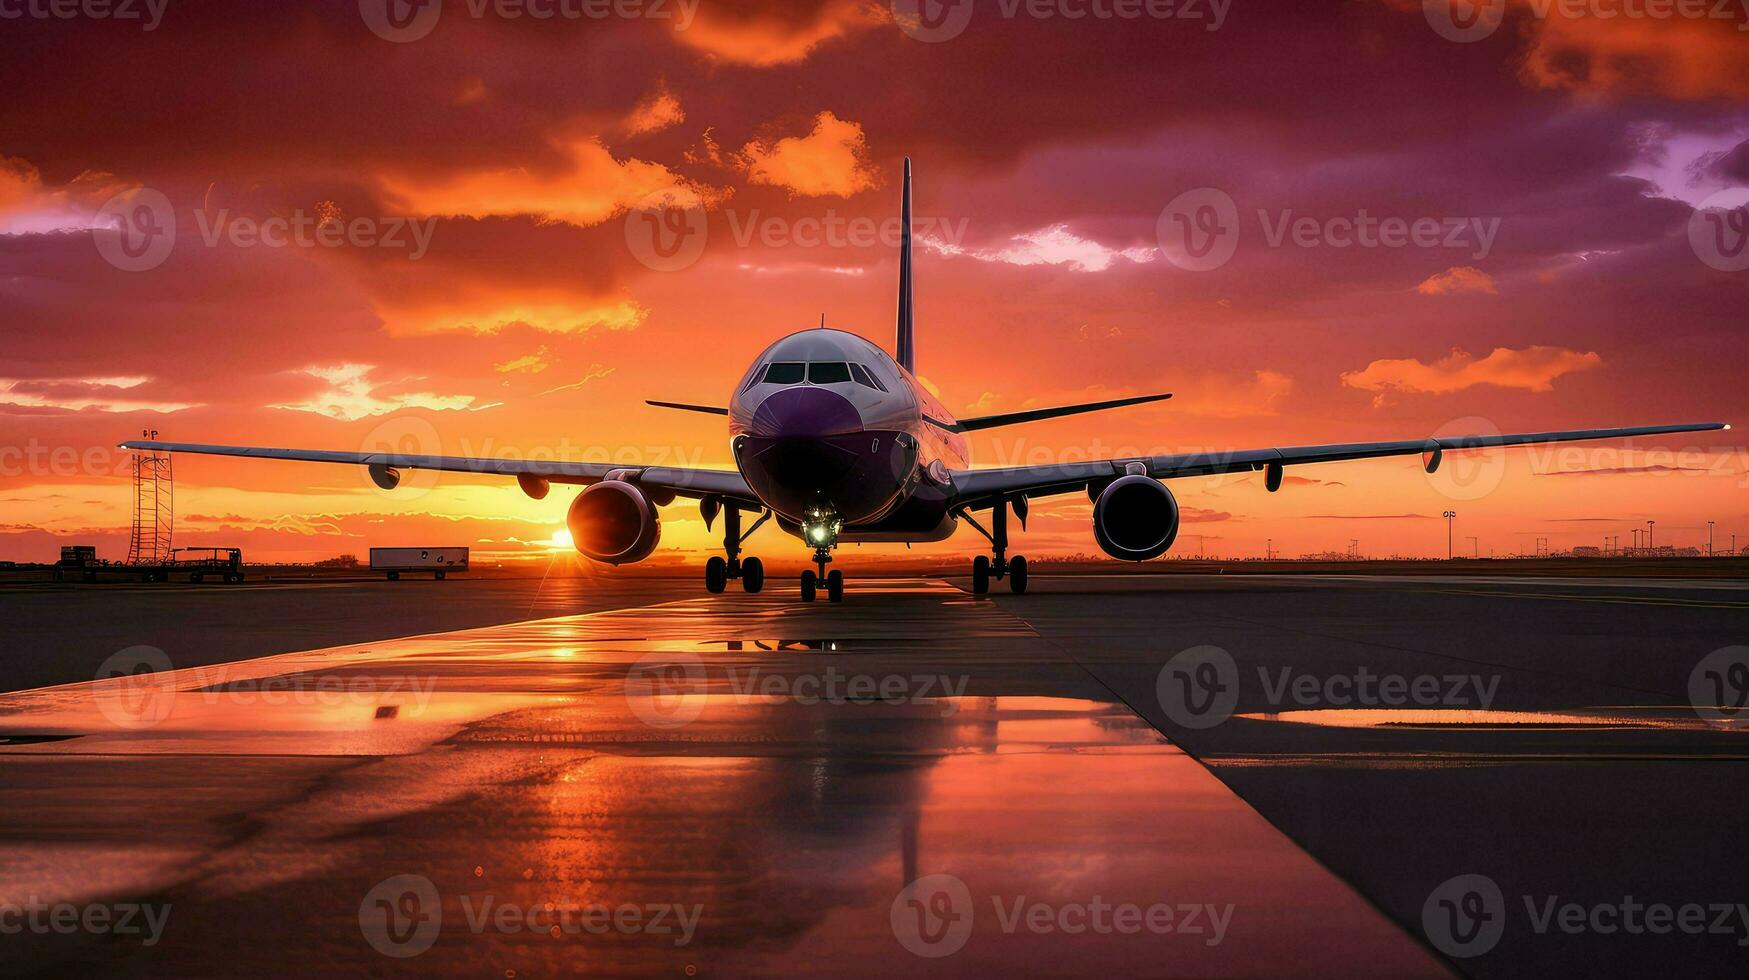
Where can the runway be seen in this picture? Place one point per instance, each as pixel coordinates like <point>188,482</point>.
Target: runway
<point>1158,775</point>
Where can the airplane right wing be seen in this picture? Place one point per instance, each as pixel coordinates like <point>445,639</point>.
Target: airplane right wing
<point>981,488</point>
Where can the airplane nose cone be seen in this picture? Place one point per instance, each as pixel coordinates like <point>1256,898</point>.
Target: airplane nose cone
<point>806,412</point>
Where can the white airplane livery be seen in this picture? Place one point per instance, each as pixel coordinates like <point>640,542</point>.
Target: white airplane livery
<point>835,440</point>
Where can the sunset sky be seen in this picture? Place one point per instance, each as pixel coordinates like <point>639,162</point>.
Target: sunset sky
<point>466,270</point>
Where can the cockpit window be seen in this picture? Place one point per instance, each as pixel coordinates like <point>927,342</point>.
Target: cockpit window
<point>828,372</point>
<point>783,373</point>
<point>866,378</point>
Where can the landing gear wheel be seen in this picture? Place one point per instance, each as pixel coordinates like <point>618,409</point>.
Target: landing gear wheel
<point>716,575</point>
<point>752,575</point>
<point>1017,574</point>
<point>809,580</point>
<point>980,575</point>
<point>835,585</point>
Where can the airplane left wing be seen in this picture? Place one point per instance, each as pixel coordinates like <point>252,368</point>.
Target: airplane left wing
<point>533,475</point>
<point>980,488</point>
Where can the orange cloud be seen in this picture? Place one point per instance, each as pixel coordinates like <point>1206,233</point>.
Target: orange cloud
<point>1533,369</point>
<point>1694,59</point>
<point>84,394</point>
<point>533,363</point>
<point>779,34</point>
<point>658,111</point>
<point>1223,397</point>
<point>830,160</point>
<point>351,394</point>
<point>486,311</point>
<point>1618,49</point>
<point>1457,279</point>
<point>29,206</point>
<point>594,189</point>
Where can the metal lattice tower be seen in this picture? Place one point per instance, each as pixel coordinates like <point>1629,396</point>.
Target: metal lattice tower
<point>154,508</point>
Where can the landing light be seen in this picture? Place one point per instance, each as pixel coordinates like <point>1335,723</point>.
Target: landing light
<point>820,527</point>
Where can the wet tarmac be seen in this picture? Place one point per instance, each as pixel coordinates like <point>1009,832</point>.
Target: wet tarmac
<point>1170,776</point>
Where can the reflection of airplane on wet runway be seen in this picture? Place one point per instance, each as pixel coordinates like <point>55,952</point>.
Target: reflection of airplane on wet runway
<point>838,440</point>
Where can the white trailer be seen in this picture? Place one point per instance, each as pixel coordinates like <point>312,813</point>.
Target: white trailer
<point>394,561</point>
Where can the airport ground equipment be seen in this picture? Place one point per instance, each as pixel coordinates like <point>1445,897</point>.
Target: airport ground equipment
<point>438,561</point>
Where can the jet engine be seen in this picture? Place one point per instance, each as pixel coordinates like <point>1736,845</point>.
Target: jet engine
<point>614,522</point>
<point>1135,518</point>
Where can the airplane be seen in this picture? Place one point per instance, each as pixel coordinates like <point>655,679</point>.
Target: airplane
<point>837,441</point>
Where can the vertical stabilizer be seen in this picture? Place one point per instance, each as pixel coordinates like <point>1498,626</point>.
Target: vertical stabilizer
<point>903,350</point>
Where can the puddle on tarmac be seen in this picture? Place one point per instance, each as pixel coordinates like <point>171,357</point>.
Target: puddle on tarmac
<point>1663,717</point>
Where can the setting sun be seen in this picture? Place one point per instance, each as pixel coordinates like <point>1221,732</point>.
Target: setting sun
<point>561,540</point>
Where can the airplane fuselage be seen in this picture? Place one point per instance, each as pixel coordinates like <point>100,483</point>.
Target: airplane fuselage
<point>843,443</point>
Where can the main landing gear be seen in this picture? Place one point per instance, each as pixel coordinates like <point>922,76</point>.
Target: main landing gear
<point>720,569</point>
<point>812,582</point>
<point>1000,566</point>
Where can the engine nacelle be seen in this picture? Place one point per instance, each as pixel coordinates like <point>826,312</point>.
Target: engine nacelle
<point>1135,518</point>
<point>614,522</point>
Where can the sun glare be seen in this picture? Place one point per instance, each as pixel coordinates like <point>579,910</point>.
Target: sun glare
<point>560,539</point>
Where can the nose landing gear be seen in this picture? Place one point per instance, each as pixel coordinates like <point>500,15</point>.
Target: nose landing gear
<point>999,566</point>
<point>832,582</point>
<point>719,570</point>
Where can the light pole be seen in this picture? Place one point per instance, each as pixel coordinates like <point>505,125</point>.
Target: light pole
<point>1448,516</point>
<point>1709,539</point>
<point>1475,550</point>
<point>1649,534</point>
